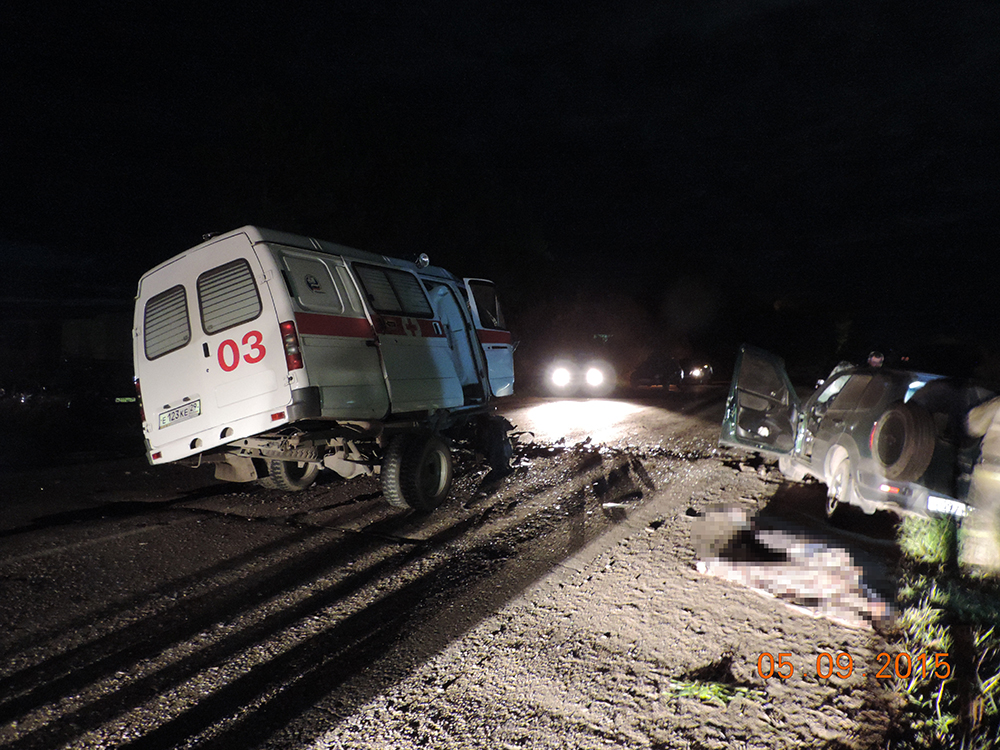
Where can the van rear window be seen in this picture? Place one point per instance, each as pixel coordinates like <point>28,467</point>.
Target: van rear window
<point>392,291</point>
<point>165,325</point>
<point>228,296</point>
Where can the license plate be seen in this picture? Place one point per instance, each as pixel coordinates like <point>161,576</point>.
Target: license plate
<point>180,414</point>
<point>946,505</point>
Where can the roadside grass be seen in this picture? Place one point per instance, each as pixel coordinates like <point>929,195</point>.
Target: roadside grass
<point>953,616</point>
<point>928,540</point>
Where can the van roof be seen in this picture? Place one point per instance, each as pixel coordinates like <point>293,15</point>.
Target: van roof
<point>260,234</point>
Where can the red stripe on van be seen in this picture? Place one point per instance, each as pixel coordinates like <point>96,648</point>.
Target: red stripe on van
<point>313,324</point>
<point>396,325</point>
<point>494,337</point>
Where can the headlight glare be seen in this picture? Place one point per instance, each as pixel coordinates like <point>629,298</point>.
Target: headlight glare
<point>561,377</point>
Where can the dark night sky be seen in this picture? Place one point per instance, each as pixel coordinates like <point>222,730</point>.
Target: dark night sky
<point>839,156</point>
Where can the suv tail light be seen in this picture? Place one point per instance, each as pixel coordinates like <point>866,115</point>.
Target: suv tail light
<point>290,340</point>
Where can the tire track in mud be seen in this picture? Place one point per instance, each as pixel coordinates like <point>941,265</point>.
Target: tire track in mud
<point>123,678</point>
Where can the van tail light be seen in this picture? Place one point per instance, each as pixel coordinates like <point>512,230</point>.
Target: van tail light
<point>138,396</point>
<point>290,340</point>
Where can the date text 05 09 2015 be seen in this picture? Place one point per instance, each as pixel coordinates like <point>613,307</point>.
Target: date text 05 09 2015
<point>901,666</point>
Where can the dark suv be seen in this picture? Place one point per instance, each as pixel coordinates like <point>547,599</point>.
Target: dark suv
<point>879,438</point>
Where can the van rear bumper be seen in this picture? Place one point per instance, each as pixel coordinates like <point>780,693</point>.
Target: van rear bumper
<point>305,404</point>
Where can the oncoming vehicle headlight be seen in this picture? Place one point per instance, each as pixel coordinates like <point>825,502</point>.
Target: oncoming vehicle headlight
<point>561,377</point>
<point>595,378</point>
<point>599,378</point>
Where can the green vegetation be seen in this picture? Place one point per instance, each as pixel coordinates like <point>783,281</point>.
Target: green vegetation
<point>928,540</point>
<point>945,610</point>
<point>715,693</point>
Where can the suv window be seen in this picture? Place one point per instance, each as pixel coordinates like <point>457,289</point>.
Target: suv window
<point>850,395</point>
<point>165,324</point>
<point>832,389</point>
<point>392,291</point>
<point>873,394</point>
<point>228,296</point>
<point>760,377</point>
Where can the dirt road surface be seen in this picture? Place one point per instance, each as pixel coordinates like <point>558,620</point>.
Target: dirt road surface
<point>565,606</point>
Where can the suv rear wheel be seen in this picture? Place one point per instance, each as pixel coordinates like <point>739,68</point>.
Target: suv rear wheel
<point>840,490</point>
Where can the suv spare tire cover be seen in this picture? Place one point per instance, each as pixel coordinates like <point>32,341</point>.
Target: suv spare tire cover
<point>903,441</point>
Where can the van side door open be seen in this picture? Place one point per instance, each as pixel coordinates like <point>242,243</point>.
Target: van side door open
<point>418,365</point>
<point>493,334</point>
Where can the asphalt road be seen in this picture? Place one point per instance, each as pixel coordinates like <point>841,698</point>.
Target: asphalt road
<point>643,419</point>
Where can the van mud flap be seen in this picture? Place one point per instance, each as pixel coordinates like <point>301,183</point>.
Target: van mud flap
<point>230,468</point>
<point>305,404</point>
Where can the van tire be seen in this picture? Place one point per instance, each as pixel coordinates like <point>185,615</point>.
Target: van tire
<point>416,471</point>
<point>903,441</point>
<point>496,444</point>
<point>290,476</point>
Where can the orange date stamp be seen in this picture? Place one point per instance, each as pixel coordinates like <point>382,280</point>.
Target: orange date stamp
<point>901,666</point>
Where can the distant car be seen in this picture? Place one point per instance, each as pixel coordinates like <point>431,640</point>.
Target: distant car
<point>661,371</point>
<point>696,371</point>
<point>879,438</point>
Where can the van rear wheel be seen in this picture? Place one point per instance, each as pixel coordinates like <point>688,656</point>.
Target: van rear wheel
<point>416,471</point>
<point>290,476</point>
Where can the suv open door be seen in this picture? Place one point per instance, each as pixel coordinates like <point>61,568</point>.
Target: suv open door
<point>762,408</point>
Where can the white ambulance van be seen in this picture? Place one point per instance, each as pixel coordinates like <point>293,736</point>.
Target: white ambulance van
<point>272,356</point>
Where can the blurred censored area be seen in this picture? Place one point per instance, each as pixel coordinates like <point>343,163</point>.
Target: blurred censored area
<point>800,567</point>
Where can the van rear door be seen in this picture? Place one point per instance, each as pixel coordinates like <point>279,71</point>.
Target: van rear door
<point>209,353</point>
<point>493,335</point>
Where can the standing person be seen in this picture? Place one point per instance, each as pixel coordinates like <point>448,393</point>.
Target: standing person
<point>980,545</point>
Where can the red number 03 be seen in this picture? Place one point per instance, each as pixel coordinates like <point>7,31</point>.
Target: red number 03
<point>229,352</point>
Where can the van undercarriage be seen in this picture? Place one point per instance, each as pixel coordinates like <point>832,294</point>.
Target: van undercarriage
<point>290,459</point>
